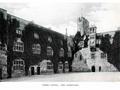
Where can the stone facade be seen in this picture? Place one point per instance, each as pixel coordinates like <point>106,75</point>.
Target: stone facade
<point>83,26</point>
<point>29,46</point>
<point>92,61</point>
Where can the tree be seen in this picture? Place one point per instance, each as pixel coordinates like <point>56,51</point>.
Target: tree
<point>105,45</point>
<point>75,46</point>
<point>76,40</point>
<point>116,50</point>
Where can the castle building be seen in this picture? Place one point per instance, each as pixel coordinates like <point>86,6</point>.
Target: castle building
<point>91,58</point>
<point>31,47</point>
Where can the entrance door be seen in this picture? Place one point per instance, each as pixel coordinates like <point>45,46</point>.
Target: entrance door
<point>0,73</point>
<point>93,68</point>
<point>32,71</point>
<point>38,70</point>
<point>99,68</point>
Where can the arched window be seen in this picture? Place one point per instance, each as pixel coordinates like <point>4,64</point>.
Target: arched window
<point>61,54</point>
<point>18,45</point>
<point>49,51</point>
<point>18,64</point>
<point>36,48</point>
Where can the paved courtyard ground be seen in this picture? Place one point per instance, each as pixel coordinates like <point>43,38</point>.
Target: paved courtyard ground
<point>69,77</point>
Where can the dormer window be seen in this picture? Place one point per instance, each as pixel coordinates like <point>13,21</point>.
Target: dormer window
<point>18,46</point>
<point>36,36</point>
<point>49,39</point>
<point>36,48</point>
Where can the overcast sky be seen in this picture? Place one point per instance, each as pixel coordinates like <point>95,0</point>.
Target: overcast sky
<point>59,16</point>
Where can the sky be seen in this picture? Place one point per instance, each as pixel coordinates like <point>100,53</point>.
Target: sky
<point>61,15</point>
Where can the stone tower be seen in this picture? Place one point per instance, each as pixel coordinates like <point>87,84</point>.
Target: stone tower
<point>83,26</point>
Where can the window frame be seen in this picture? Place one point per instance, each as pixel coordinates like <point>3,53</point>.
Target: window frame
<point>18,46</point>
<point>50,52</point>
<point>36,48</point>
<point>17,65</point>
<point>61,52</point>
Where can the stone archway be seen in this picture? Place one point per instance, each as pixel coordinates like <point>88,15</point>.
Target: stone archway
<point>93,68</point>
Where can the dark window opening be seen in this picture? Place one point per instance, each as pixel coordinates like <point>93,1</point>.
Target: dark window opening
<point>93,68</point>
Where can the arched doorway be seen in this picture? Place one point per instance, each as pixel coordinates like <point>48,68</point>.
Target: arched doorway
<point>99,68</point>
<point>38,70</point>
<point>0,73</point>
<point>93,68</point>
<point>32,71</point>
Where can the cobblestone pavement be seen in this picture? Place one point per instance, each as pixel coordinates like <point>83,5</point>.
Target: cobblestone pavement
<point>69,77</point>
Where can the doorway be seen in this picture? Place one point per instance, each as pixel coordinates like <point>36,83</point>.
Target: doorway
<point>93,68</point>
<point>0,73</point>
<point>99,68</point>
<point>38,70</point>
<point>32,71</point>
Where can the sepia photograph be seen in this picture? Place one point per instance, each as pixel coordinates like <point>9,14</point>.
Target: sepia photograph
<point>59,42</point>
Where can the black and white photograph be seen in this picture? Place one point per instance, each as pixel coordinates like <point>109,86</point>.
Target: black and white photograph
<point>59,41</point>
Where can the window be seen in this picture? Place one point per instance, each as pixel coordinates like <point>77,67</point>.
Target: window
<point>60,65</point>
<point>92,36</point>
<point>36,36</point>
<point>92,55</point>
<point>18,64</point>
<point>61,54</point>
<point>49,51</point>
<point>18,46</point>
<point>18,31</point>
<point>49,39</point>
<point>36,49</point>
<point>66,65</point>
<point>49,65</point>
<point>80,57</point>
<point>103,55</point>
<point>98,41</point>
